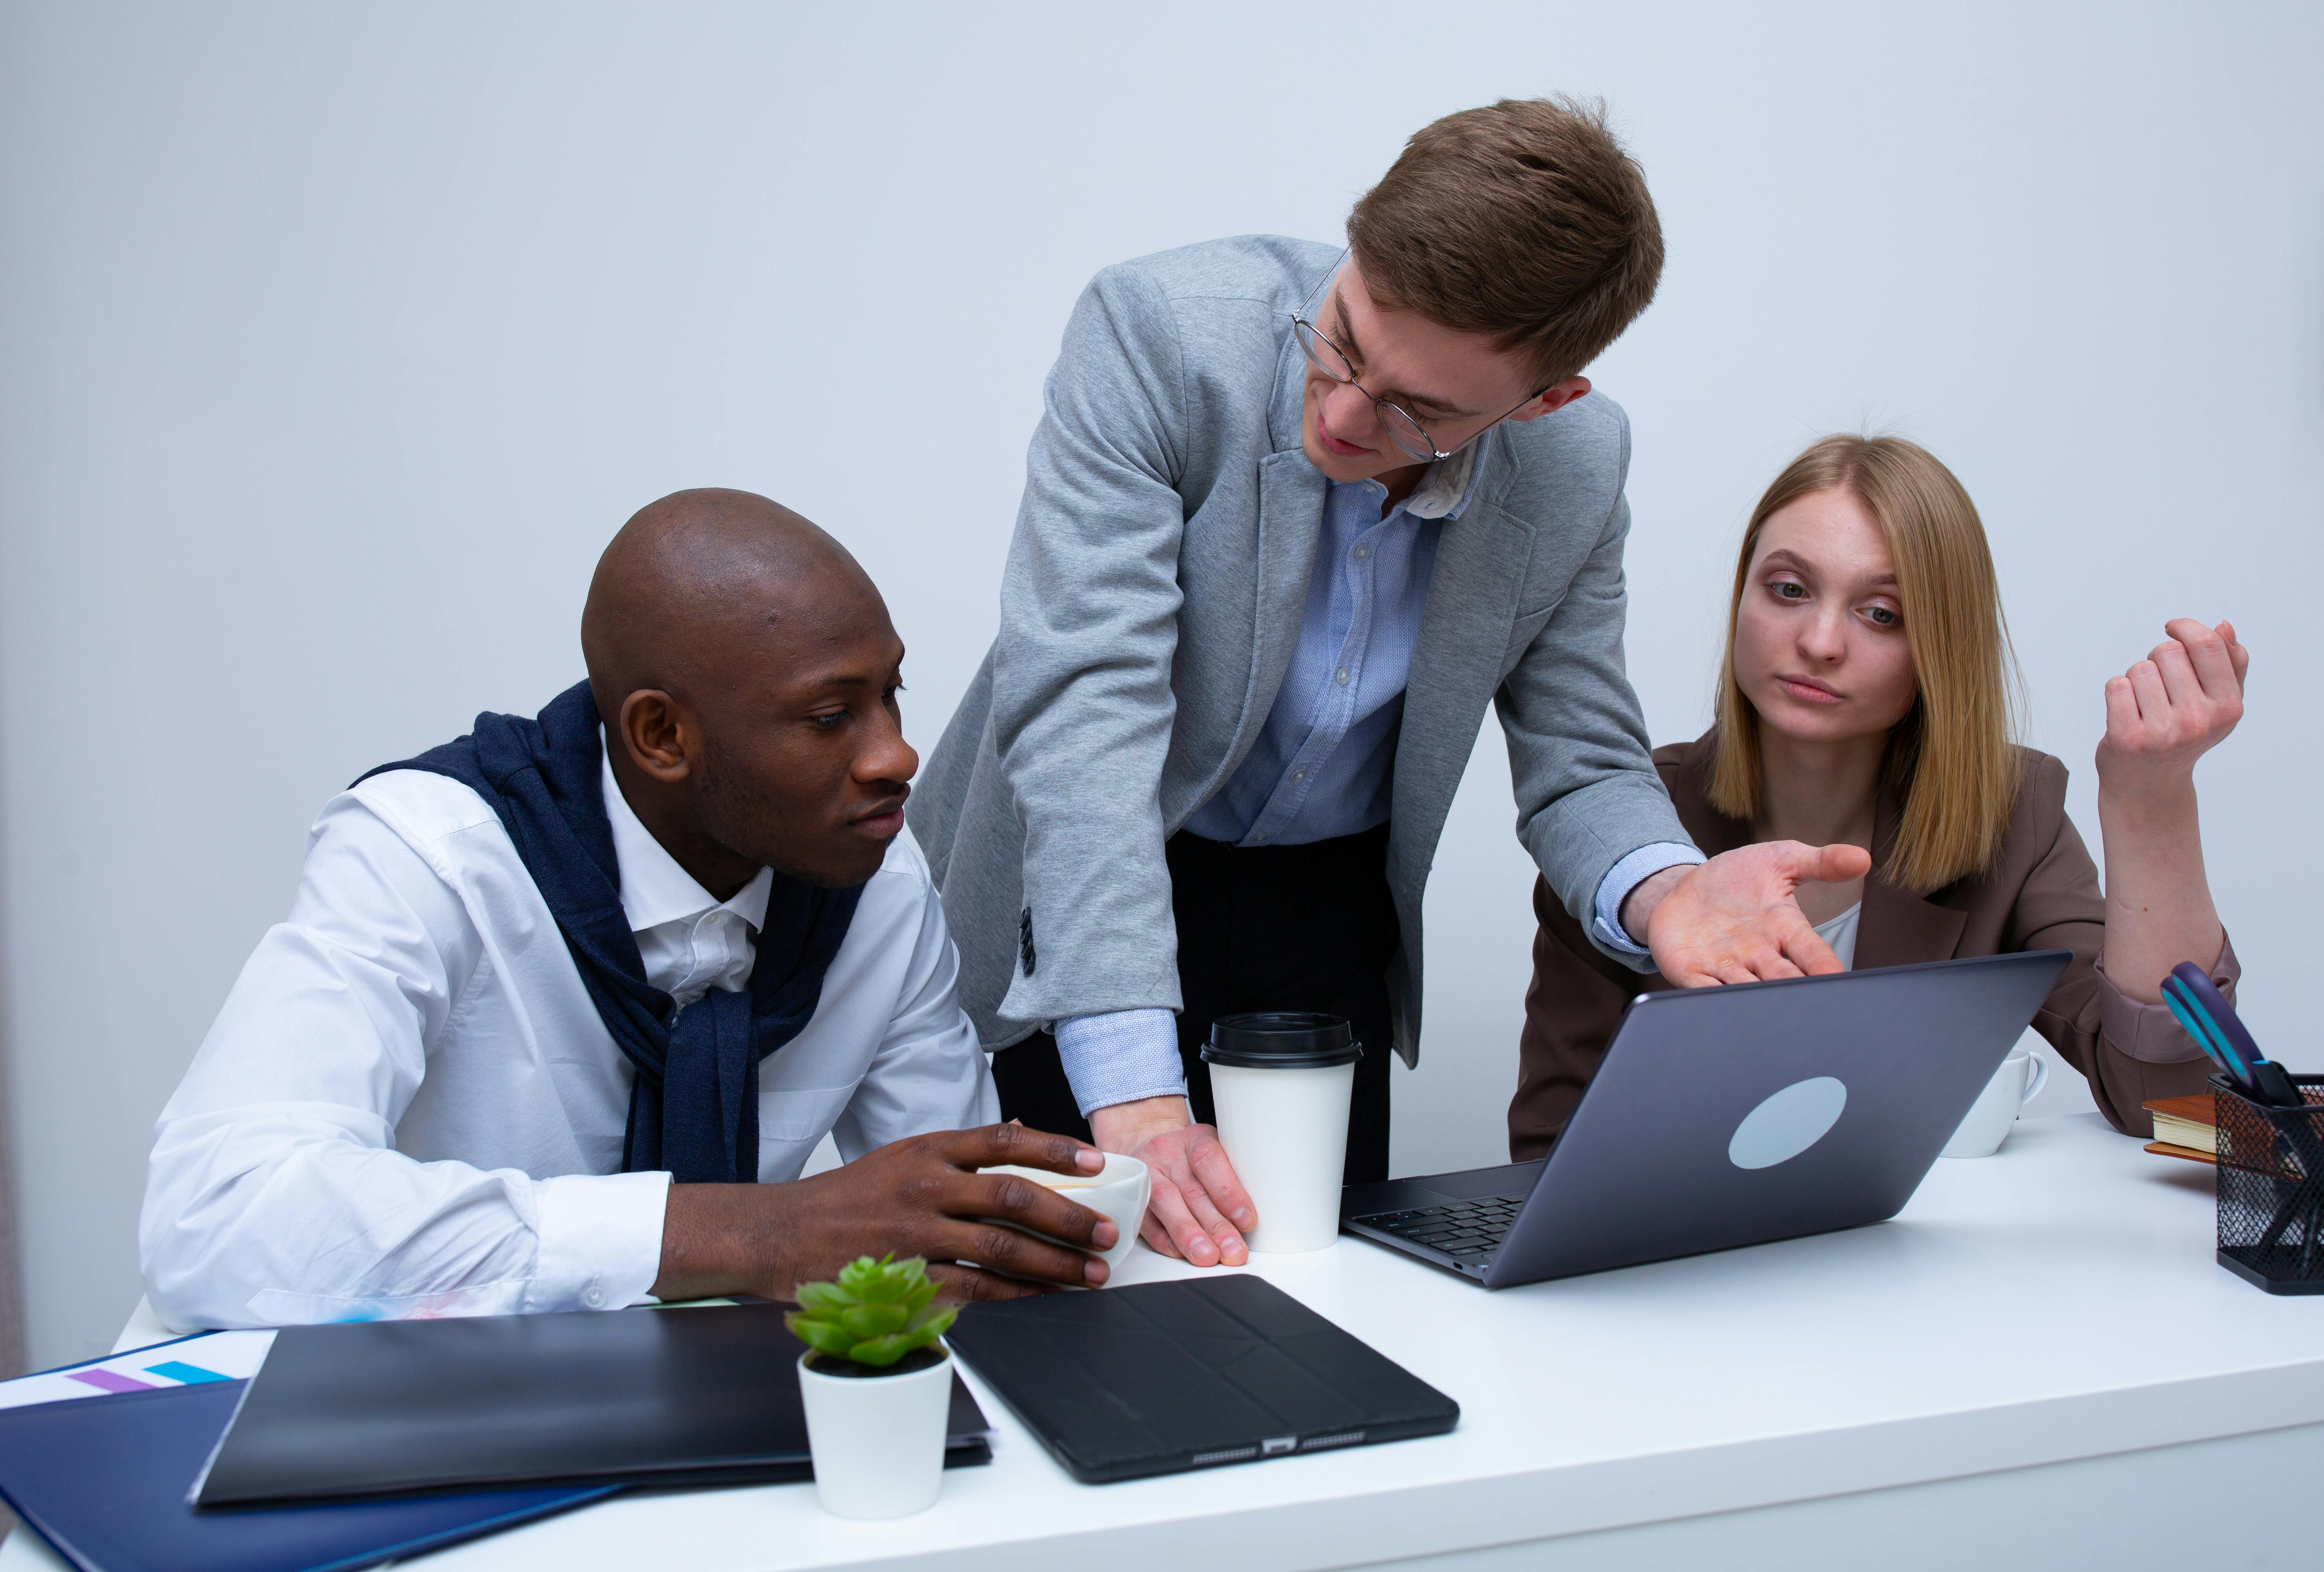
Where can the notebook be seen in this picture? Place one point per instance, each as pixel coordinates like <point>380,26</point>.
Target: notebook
<point>104,1481</point>
<point>625,1397</point>
<point>1163,1376</point>
<point>2185,1126</point>
<point>2189,1126</point>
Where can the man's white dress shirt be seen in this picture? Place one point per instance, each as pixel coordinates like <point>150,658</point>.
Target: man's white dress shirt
<point>408,1106</point>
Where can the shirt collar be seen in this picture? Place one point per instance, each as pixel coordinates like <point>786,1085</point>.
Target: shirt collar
<point>1445,492</point>
<point>654,888</point>
<point>1448,486</point>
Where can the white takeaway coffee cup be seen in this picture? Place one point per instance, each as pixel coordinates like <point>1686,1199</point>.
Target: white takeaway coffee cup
<point>1986,1125</point>
<point>1281,1082</point>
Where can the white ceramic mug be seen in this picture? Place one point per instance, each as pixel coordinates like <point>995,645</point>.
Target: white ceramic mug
<point>2013,1086</point>
<point>1119,1190</point>
<point>1280,1082</point>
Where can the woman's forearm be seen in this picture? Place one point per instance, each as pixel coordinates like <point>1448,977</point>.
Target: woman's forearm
<point>2158,901</point>
<point>2162,715</point>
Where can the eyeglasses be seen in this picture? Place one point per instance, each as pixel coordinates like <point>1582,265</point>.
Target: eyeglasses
<point>1328,358</point>
<point>1332,361</point>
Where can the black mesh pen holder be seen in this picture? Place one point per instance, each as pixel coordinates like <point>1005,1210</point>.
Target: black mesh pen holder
<point>2271,1187</point>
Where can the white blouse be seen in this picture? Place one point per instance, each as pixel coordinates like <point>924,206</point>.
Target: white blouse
<point>1840,933</point>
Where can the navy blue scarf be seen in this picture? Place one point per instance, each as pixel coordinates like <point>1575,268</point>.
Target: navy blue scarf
<point>694,1109</point>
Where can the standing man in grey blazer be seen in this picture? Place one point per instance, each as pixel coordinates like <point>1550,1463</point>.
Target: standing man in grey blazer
<point>1293,517</point>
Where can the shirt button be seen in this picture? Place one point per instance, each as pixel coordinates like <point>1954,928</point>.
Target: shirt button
<point>1341,677</point>
<point>1298,774</point>
<point>594,1296</point>
<point>1258,841</point>
<point>1362,551</point>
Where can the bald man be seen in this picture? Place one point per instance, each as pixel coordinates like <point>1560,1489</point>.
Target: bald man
<point>563,1007</point>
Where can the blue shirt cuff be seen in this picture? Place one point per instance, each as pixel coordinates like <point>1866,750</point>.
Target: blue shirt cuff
<point>1627,874</point>
<point>1120,1056</point>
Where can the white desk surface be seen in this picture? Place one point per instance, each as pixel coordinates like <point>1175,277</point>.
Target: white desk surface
<point>2057,1301</point>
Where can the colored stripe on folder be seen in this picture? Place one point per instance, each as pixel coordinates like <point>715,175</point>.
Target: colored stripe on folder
<point>179,1370</point>
<point>106,1381</point>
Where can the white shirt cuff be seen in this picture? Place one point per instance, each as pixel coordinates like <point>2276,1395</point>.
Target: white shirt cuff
<point>1120,1057</point>
<point>1627,874</point>
<point>599,1240</point>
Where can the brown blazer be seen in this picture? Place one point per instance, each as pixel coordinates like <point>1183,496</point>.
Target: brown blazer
<point>2042,894</point>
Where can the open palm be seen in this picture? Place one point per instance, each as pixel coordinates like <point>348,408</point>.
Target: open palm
<point>1737,918</point>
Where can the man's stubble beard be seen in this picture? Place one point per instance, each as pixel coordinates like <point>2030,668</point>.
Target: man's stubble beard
<point>740,816</point>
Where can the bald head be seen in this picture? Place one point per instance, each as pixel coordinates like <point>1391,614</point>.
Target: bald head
<point>694,579</point>
<point>746,672</point>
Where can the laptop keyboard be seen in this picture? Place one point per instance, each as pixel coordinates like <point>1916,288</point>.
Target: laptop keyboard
<point>1466,1230</point>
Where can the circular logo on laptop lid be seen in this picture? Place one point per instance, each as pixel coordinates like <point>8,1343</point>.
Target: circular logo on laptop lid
<point>1787,1122</point>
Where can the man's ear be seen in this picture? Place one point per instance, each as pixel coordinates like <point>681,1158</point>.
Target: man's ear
<point>1556,398</point>
<point>661,735</point>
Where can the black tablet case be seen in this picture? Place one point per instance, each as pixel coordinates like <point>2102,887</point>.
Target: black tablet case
<point>1123,1382</point>
<point>696,1396</point>
<point>102,1480</point>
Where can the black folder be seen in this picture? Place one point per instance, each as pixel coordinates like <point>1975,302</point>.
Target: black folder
<point>1123,1382</point>
<point>691,1396</point>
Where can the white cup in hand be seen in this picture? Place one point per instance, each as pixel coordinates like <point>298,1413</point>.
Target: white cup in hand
<point>2013,1086</point>
<point>1119,1190</point>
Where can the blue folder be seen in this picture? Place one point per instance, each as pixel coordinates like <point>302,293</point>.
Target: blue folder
<point>104,1480</point>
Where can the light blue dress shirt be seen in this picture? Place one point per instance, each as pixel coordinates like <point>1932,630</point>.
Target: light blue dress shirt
<point>1324,763</point>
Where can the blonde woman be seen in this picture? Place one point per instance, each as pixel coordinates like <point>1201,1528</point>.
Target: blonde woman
<point>1864,700</point>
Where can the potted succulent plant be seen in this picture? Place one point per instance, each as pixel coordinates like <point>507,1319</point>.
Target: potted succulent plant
<point>877,1382</point>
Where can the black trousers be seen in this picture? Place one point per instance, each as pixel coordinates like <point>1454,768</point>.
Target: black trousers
<point>1259,928</point>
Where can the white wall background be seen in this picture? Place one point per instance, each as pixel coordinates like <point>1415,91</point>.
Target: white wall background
<point>335,341</point>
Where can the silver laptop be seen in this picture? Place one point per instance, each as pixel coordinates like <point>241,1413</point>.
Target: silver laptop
<point>1731,1115</point>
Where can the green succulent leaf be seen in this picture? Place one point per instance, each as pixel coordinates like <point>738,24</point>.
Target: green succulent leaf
<point>875,1321</point>
<point>931,1323</point>
<point>823,1337</point>
<point>877,1311</point>
<point>881,1351</point>
<point>825,1298</point>
<point>859,1273</point>
<point>887,1288</point>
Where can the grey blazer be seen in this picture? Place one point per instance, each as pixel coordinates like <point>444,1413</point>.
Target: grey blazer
<point>1148,614</point>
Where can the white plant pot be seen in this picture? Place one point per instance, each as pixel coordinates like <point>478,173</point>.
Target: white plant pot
<point>878,1440</point>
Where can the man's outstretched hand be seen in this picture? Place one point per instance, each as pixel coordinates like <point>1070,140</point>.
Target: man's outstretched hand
<point>1737,917</point>
<point>1198,1208</point>
<point>921,1196</point>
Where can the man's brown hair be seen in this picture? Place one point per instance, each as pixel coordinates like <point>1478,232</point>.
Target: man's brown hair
<point>1524,221</point>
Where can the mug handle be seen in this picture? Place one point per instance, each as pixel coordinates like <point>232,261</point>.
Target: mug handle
<point>2040,1078</point>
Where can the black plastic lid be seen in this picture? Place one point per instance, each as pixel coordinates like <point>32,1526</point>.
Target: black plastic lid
<point>1281,1040</point>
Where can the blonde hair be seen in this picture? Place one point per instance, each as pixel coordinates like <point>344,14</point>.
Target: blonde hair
<point>1953,758</point>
